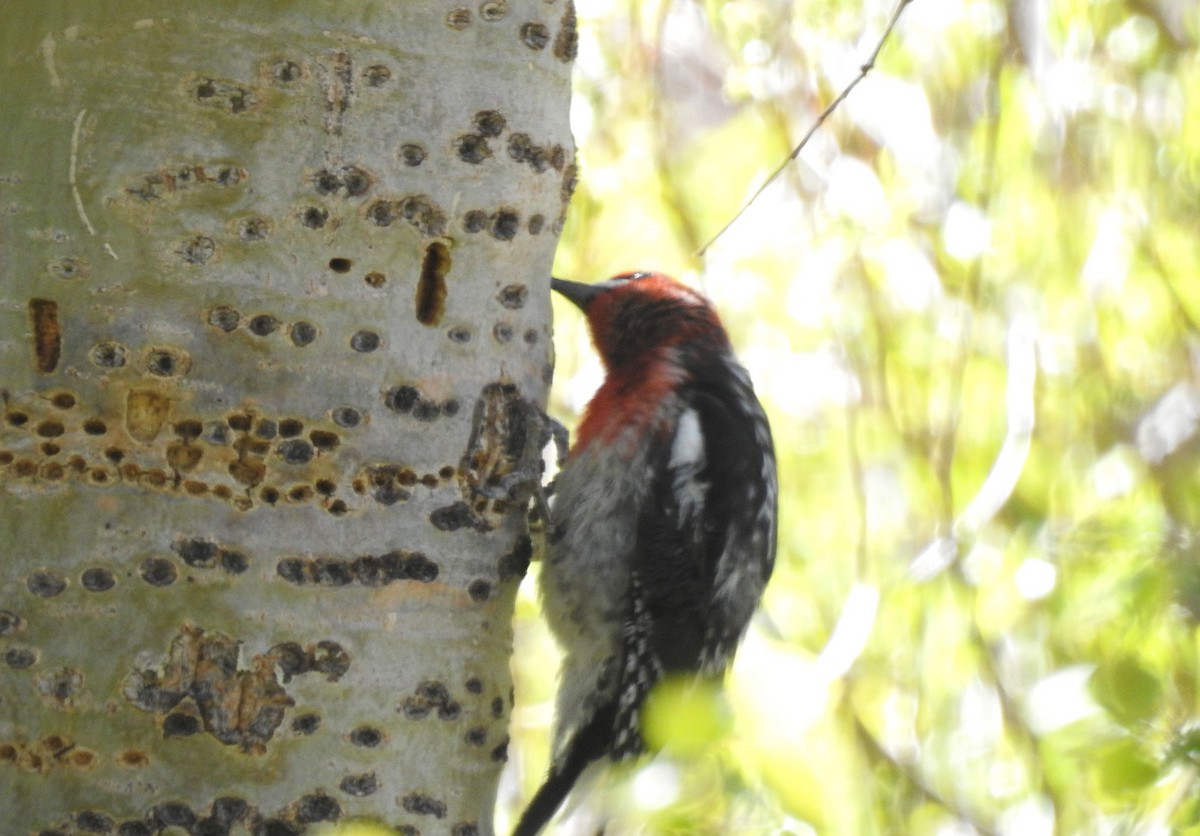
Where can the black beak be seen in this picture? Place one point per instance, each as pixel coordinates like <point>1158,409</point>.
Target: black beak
<point>579,293</point>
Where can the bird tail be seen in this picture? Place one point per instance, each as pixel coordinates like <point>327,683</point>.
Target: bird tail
<point>586,745</point>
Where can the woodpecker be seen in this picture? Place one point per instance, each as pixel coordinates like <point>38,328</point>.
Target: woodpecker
<point>664,520</point>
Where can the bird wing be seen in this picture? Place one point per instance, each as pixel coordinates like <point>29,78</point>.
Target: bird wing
<point>694,535</point>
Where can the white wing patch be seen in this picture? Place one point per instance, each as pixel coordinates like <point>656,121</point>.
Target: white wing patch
<point>686,462</point>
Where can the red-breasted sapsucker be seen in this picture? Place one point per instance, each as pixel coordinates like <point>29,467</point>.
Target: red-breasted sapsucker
<point>663,520</point>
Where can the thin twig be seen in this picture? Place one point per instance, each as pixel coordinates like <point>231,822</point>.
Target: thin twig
<point>912,775</point>
<point>946,439</point>
<point>945,446</point>
<point>1014,717</point>
<point>858,481</point>
<point>867,66</point>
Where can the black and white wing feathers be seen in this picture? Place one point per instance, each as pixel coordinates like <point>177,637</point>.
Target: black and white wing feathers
<point>705,537</point>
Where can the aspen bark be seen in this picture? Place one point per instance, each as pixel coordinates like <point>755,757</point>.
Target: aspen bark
<point>274,328</point>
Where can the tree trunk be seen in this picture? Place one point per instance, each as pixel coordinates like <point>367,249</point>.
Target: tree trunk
<point>275,312</point>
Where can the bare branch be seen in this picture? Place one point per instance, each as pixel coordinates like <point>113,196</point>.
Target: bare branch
<point>866,67</point>
<point>911,774</point>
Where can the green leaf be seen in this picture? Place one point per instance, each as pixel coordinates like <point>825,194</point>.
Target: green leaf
<point>1123,768</point>
<point>1129,692</point>
<point>685,717</point>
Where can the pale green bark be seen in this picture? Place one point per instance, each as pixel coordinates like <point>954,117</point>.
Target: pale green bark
<point>273,299</point>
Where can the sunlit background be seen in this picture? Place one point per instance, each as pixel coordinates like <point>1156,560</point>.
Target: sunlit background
<point>971,308</point>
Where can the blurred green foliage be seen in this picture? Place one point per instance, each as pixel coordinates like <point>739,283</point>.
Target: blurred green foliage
<point>971,307</point>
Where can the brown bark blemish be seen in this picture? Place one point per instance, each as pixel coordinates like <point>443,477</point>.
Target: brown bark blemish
<point>566,43</point>
<point>145,414</point>
<point>239,707</point>
<point>59,688</point>
<point>431,286</point>
<point>47,334</point>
